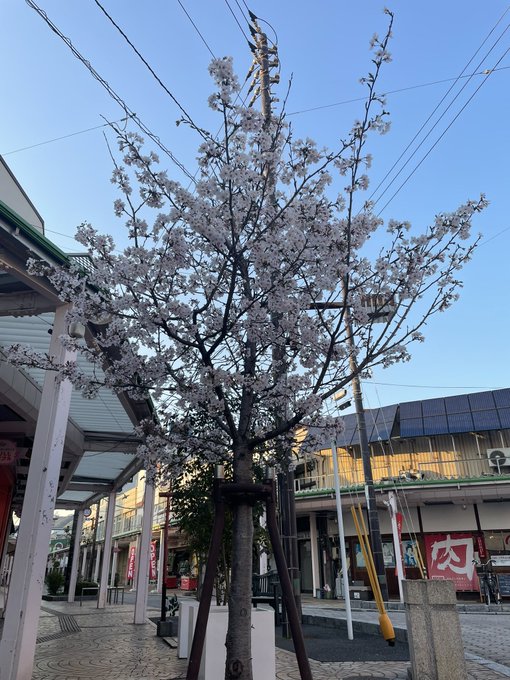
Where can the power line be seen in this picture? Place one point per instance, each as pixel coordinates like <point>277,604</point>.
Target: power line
<point>440,136</point>
<point>388,92</point>
<point>196,29</point>
<point>108,88</point>
<point>237,20</point>
<point>71,134</point>
<point>149,67</point>
<point>432,114</point>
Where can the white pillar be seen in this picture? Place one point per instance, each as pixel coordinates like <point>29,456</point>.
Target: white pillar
<point>263,554</point>
<point>392,507</point>
<point>85,560</point>
<point>161,563</point>
<point>114,562</point>
<point>96,565</point>
<point>341,539</point>
<point>316,579</point>
<point>107,551</point>
<point>142,586</point>
<point>17,647</point>
<point>75,557</point>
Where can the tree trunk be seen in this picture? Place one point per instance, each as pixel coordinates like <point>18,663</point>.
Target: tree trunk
<point>238,642</point>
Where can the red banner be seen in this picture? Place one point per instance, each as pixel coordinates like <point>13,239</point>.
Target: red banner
<point>480,547</point>
<point>153,570</point>
<point>450,556</point>
<point>400,518</point>
<point>131,564</point>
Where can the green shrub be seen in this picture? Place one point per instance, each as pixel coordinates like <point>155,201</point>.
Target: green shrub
<point>54,581</point>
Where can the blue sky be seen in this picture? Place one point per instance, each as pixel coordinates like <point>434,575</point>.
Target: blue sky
<point>47,93</point>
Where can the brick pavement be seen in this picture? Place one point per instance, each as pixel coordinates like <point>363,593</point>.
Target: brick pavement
<point>107,646</point>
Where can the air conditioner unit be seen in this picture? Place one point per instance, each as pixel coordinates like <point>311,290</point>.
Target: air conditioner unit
<point>498,457</point>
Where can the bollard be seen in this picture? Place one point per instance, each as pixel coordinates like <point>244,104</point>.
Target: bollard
<point>433,631</point>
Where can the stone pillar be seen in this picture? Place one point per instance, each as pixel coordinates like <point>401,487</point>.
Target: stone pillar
<point>114,562</point>
<point>142,585</point>
<point>433,630</point>
<point>97,562</point>
<point>75,557</point>
<point>107,551</point>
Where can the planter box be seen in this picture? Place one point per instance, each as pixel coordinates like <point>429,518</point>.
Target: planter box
<point>262,643</point>
<point>188,583</point>
<point>169,627</point>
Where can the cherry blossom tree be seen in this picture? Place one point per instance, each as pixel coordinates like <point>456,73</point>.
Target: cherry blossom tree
<point>238,301</point>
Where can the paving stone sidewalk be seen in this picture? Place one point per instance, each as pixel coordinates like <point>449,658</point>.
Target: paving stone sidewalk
<point>105,645</point>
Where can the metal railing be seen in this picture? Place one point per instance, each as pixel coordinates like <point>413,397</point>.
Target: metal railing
<point>396,471</point>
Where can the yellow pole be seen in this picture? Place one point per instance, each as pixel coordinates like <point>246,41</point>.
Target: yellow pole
<point>384,620</point>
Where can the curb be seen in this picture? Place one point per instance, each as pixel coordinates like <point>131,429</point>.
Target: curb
<point>369,627</point>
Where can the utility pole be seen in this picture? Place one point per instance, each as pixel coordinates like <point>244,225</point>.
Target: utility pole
<point>373,517</point>
<point>264,59</point>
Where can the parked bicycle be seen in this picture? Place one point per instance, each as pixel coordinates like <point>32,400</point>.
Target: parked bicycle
<point>489,587</point>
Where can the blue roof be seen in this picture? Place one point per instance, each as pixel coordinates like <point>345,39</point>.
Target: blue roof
<point>477,412</point>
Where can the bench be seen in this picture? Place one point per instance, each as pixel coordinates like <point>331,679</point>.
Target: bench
<point>266,589</point>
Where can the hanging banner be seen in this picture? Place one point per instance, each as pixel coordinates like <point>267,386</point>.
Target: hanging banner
<point>153,573</point>
<point>400,518</point>
<point>450,556</point>
<point>480,547</point>
<point>131,564</point>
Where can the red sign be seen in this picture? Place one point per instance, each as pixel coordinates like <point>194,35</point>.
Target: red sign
<point>153,573</point>
<point>8,452</point>
<point>480,546</point>
<point>131,564</point>
<point>450,556</point>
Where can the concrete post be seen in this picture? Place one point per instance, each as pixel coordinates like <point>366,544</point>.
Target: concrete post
<point>316,581</point>
<point>433,629</point>
<point>84,563</point>
<point>75,558</point>
<point>107,551</point>
<point>142,587</point>
<point>97,562</point>
<point>17,647</point>
<point>114,562</point>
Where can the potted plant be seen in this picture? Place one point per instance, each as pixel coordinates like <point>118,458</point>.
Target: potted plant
<point>54,580</point>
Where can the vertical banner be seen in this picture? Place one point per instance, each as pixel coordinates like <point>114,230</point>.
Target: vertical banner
<point>131,564</point>
<point>400,518</point>
<point>153,573</point>
<point>480,547</point>
<point>450,556</point>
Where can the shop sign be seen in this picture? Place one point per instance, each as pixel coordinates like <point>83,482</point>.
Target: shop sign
<point>8,452</point>
<point>152,563</point>
<point>131,564</point>
<point>450,556</point>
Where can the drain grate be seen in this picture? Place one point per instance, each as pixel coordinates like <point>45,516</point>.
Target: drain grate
<point>52,636</point>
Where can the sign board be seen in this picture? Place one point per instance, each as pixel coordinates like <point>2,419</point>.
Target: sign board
<point>450,556</point>
<point>504,584</point>
<point>8,452</point>
<point>501,560</point>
